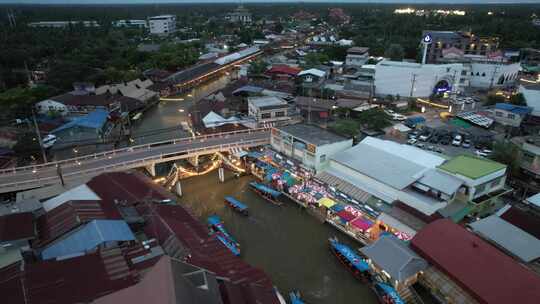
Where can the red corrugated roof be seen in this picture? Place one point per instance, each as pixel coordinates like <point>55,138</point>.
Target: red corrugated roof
<point>17,226</point>
<point>206,251</point>
<point>525,221</point>
<point>66,217</point>
<point>284,69</point>
<point>486,273</point>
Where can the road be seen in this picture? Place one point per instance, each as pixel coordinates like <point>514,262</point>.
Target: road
<point>127,158</point>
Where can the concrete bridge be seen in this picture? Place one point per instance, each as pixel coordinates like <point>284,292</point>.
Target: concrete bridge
<point>147,155</point>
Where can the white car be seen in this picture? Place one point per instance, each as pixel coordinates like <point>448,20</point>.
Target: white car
<point>412,141</point>
<point>48,141</point>
<point>398,117</point>
<point>457,141</point>
<point>481,153</point>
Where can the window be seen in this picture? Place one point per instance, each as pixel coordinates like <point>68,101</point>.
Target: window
<point>498,114</point>
<point>511,116</point>
<point>323,158</point>
<point>266,115</point>
<point>280,114</point>
<point>483,74</point>
<point>495,182</point>
<point>480,188</point>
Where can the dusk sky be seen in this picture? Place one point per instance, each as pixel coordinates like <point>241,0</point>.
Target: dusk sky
<point>260,1</point>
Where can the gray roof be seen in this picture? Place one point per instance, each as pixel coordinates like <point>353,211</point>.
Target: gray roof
<point>312,134</point>
<point>509,237</point>
<point>29,205</point>
<point>535,200</point>
<point>194,285</point>
<point>381,165</point>
<point>441,181</point>
<point>395,257</point>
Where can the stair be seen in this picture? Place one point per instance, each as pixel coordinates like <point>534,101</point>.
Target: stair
<point>409,295</point>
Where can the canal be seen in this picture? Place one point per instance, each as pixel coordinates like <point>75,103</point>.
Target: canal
<point>286,242</point>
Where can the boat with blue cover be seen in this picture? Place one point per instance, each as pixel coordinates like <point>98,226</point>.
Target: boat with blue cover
<point>295,298</point>
<point>266,192</point>
<point>216,226</point>
<point>236,205</point>
<point>387,294</point>
<point>357,265</point>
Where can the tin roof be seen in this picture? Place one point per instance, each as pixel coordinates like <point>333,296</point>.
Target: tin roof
<point>17,226</point>
<point>475,265</point>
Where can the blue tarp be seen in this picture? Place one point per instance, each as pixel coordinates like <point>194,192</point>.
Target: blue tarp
<point>89,237</point>
<point>254,154</point>
<point>241,206</point>
<point>337,207</point>
<point>265,189</point>
<point>518,110</point>
<point>92,120</point>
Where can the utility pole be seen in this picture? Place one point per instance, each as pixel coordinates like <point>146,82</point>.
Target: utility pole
<point>39,136</point>
<point>493,77</point>
<point>11,19</point>
<point>413,82</point>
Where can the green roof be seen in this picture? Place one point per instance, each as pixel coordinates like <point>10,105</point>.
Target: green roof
<point>471,166</point>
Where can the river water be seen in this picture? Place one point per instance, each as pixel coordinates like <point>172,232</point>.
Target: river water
<point>286,242</point>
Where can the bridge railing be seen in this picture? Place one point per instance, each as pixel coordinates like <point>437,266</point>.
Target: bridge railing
<point>112,153</point>
<point>37,182</point>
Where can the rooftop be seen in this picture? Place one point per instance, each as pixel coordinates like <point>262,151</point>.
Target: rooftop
<point>475,265</point>
<point>17,226</point>
<point>519,110</point>
<point>266,101</point>
<point>395,257</point>
<point>471,167</point>
<point>312,134</point>
<point>509,237</point>
<point>524,220</point>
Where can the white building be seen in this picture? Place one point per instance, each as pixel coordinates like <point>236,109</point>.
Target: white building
<point>422,180</point>
<point>488,74</point>
<point>357,56</point>
<point>268,110</point>
<point>531,93</point>
<point>162,25</point>
<point>418,80</point>
<point>311,145</point>
<point>62,24</point>
<point>130,23</point>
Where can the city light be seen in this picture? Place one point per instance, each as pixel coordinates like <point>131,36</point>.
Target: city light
<point>171,99</point>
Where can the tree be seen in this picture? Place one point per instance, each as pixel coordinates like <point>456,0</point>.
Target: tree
<point>278,28</point>
<point>27,148</point>
<point>505,152</point>
<point>394,52</point>
<point>315,59</point>
<point>257,67</point>
<point>492,99</point>
<point>518,99</point>
<point>375,119</point>
<point>345,127</point>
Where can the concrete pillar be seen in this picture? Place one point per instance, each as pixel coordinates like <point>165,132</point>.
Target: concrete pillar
<point>151,169</point>
<point>178,188</point>
<point>221,174</point>
<point>194,161</point>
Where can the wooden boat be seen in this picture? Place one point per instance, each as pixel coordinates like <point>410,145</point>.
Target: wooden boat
<point>386,293</point>
<point>216,227</point>
<point>294,296</point>
<point>236,205</point>
<point>266,192</point>
<point>357,265</point>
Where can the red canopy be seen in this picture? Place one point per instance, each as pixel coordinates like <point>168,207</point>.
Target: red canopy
<point>346,216</point>
<point>361,223</point>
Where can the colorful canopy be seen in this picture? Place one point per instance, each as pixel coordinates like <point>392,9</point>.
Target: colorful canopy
<point>345,216</point>
<point>361,223</point>
<point>337,207</point>
<point>236,203</point>
<point>265,189</point>
<point>325,201</point>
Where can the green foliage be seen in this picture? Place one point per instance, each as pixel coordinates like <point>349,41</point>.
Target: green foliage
<point>345,127</point>
<point>518,99</point>
<point>374,119</point>
<point>492,99</point>
<point>27,148</point>
<point>257,67</point>
<point>17,102</point>
<point>394,52</point>
<point>314,59</point>
<point>337,53</point>
<point>505,152</point>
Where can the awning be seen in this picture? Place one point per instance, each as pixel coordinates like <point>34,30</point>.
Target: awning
<point>396,224</point>
<point>337,207</point>
<point>361,223</point>
<point>328,203</point>
<point>345,216</point>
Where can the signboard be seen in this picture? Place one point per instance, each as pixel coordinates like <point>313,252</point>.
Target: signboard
<point>311,148</point>
<point>427,39</point>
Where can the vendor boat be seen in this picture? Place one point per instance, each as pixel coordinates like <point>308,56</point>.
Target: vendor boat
<point>386,294</point>
<point>216,226</point>
<point>236,205</point>
<point>295,298</point>
<point>266,192</point>
<point>357,265</point>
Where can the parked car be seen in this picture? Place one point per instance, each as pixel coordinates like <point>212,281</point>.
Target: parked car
<point>430,148</point>
<point>466,144</point>
<point>420,145</point>
<point>457,140</point>
<point>412,141</point>
<point>445,140</point>
<point>439,150</point>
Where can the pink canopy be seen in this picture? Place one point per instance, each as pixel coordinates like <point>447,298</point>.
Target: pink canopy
<point>361,223</point>
<point>346,216</point>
